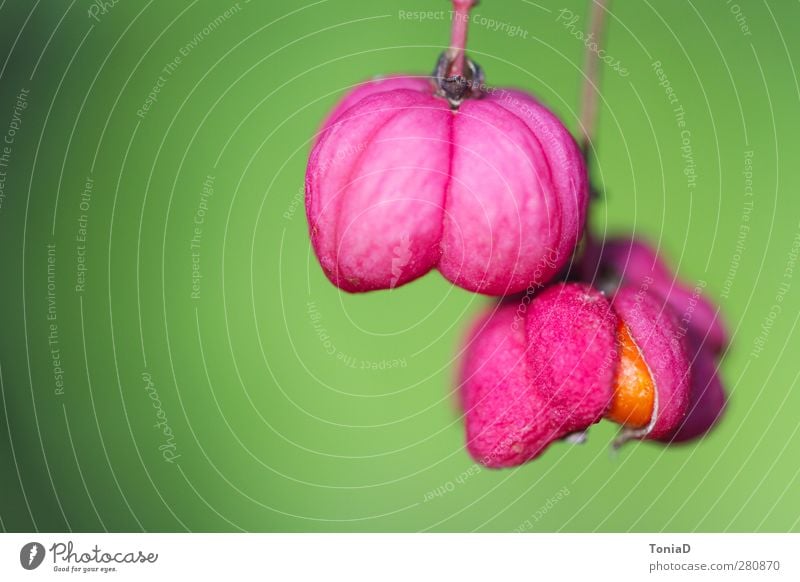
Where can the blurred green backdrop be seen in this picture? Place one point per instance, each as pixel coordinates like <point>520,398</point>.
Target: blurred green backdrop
<point>172,357</point>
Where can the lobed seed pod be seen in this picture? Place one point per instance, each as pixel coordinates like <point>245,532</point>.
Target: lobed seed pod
<point>656,366</point>
<point>492,193</point>
<point>634,262</point>
<point>508,420</point>
<point>572,358</point>
<point>525,384</point>
<point>572,352</point>
<point>707,399</point>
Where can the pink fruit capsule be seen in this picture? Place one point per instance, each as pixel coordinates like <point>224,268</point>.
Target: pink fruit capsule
<point>529,381</point>
<point>663,367</point>
<point>508,420</point>
<point>572,352</point>
<point>492,193</point>
<point>707,398</point>
<point>636,263</point>
<point>570,358</point>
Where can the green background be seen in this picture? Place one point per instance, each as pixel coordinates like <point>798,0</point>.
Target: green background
<point>266,380</point>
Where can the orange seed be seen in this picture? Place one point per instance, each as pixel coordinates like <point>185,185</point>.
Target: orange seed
<point>634,392</point>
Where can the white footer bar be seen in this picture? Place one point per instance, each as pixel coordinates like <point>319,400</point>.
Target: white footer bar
<point>388,557</point>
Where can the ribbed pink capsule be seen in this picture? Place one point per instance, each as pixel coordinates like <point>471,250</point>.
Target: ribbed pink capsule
<point>528,380</point>
<point>572,352</point>
<point>492,194</point>
<point>636,263</point>
<point>508,420</point>
<point>707,398</point>
<point>654,328</point>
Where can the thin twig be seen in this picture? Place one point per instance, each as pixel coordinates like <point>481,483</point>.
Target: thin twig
<point>458,39</point>
<point>591,67</point>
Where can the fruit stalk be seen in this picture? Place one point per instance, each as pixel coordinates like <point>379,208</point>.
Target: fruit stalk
<point>458,38</point>
<point>591,82</point>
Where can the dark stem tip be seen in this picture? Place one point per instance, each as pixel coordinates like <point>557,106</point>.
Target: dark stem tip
<point>456,88</point>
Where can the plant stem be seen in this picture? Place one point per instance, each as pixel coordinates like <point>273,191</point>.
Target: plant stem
<point>458,39</point>
<point>591,69</point>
